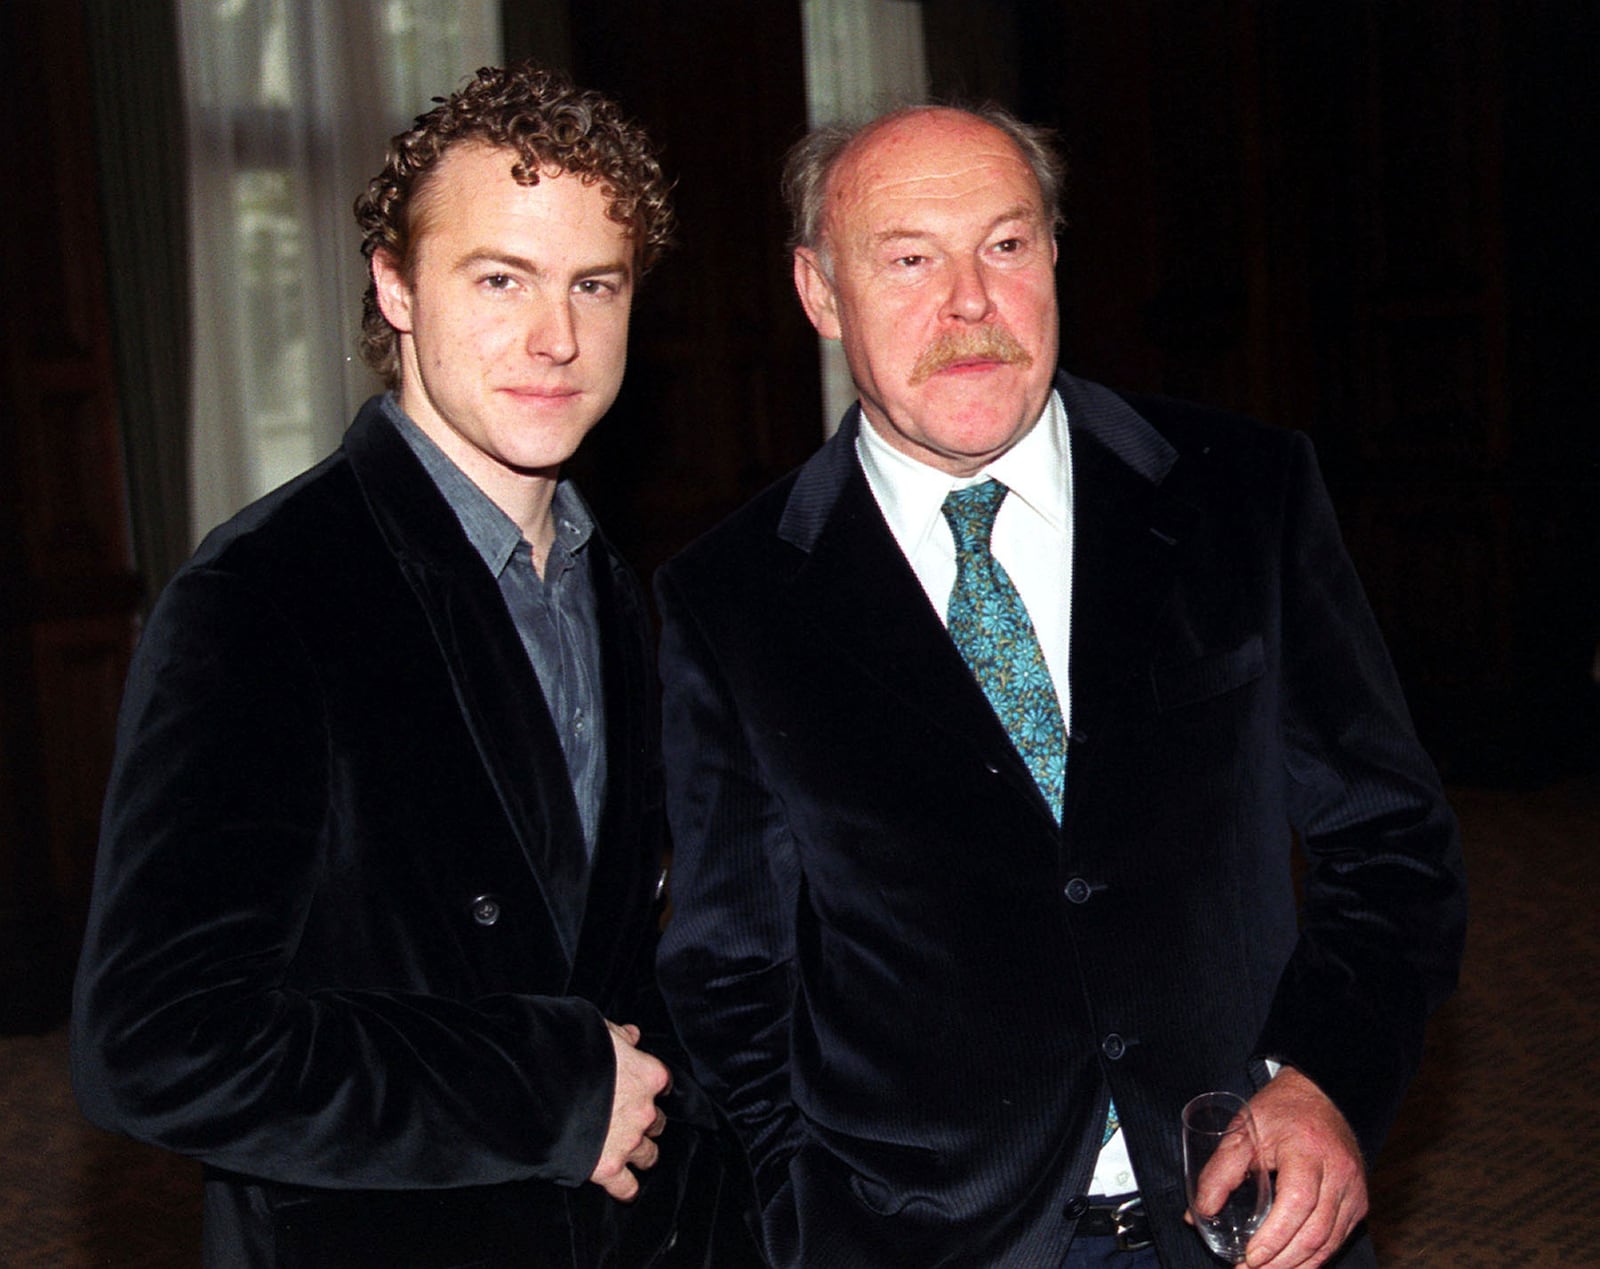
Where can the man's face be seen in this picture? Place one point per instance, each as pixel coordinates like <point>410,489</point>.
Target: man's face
<point>513,321</point>
<point>942,289</point>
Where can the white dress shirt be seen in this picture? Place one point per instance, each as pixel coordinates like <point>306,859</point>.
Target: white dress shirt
<point>1032,539</point>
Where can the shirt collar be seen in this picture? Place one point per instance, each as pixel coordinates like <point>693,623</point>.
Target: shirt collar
<point>1035,468</point>
<point>493,534</point>
<point>911,493</point>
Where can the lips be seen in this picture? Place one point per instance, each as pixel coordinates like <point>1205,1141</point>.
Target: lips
<point>541,393</point>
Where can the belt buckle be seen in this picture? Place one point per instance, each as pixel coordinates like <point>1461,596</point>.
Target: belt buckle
<point>1133,1229</point>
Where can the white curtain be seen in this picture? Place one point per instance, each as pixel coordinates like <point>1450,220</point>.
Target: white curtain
<point>862,57</point>
<point>290,105</point>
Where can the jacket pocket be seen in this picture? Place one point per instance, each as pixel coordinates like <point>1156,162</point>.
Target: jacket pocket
<point>884,1177</point>
<point>1208,676</point>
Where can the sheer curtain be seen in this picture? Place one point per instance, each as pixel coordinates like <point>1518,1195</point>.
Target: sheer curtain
<point>138,100</point>
<point>290,106</point>
<point>862,57</point>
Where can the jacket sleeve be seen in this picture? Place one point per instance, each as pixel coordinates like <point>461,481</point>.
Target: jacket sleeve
<point>726,959</point>
<point>1384,910</point>
<point>191,1026</point>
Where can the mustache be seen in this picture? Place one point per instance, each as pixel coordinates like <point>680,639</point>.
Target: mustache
<point>987,343</point>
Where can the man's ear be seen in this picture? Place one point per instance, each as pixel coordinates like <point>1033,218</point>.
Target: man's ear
<point>394,292</point>
<point>817,295</point>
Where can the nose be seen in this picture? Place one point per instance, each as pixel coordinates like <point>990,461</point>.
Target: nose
<point>969,299</point>
<point>552,333</point>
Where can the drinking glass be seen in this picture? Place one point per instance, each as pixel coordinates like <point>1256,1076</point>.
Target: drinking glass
<point>1220,1147</point>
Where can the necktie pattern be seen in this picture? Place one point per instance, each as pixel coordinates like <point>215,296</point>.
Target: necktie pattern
<point>990,625</point>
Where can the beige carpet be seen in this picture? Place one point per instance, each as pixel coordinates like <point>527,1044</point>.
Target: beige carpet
<point>1495,1162</point>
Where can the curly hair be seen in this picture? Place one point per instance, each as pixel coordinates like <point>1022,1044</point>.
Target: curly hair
<point>811,162</point>
<point>548,123</point>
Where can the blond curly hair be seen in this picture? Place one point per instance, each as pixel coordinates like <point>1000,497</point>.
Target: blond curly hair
<point>548,123</point>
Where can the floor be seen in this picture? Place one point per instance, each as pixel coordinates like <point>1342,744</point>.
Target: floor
<point>1495,1161</point>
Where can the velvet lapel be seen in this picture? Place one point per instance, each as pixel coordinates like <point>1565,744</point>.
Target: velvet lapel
<point>498,693</point>
<point>860,595</point>
<point>1127,528</point>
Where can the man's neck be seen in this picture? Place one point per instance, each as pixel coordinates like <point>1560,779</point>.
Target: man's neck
<point>525,496</point>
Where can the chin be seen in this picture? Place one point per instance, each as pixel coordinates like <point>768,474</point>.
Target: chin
<point>984,435</point>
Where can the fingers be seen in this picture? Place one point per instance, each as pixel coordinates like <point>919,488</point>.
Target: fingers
<point>622,1182</point>
<point>1321,1188</point>
<point>621,1185</point>
<point>636,1121</point>
<point>1313,1214</point>
<point>1222,1174</point>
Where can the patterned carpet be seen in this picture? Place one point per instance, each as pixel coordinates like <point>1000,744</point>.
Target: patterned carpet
<point>1496,1159</point>
<point>72,1196</point>
<point>1495,1162</point>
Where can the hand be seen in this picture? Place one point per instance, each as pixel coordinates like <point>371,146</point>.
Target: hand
<point>1320,1193</point>
<point>636,1120</point>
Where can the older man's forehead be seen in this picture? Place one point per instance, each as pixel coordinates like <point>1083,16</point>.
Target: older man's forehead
<point>930,160</point>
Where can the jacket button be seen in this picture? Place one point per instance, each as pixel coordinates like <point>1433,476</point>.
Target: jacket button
<point>1076,1207</point>
<point>486,909</point>
<point>1078,890</point>
<point>1113,1046</point>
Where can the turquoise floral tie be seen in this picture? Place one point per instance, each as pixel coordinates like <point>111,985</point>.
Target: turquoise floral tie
<point>991,627</point>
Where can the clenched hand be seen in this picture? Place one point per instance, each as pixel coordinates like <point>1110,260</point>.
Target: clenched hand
<point>636,1120</point>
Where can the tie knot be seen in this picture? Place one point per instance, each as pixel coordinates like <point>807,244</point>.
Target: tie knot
<point>970,513</point>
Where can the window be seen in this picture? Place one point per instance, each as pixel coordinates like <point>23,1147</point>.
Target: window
<point>290,107</point>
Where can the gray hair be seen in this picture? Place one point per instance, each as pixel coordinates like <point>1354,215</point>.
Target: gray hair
<point>811,162</point>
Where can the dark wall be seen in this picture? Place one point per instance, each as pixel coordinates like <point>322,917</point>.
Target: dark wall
<point>68,592</point>
<point>1358,219</point>
<point>722,394</point>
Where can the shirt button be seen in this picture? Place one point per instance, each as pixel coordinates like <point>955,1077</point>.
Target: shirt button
<point>486,909</point>
<point>1078,890</point>
<point>1076,1207</point>
<point>1113,1046</point>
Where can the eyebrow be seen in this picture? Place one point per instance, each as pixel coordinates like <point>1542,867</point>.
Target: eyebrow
<point>1022,211</point>
<point>486,256</point>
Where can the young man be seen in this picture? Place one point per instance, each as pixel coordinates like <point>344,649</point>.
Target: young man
<point>375,904</point>
<point>986,731</point>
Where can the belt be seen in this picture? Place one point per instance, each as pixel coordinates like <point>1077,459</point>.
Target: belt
<point>1122,1217</point>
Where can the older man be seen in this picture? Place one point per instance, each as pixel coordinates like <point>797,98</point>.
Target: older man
<point>375,908</point>
<point>988,732</point>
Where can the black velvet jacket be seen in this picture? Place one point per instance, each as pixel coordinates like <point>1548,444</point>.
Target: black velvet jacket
<point>909,988</point>
<point>343,948</point>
